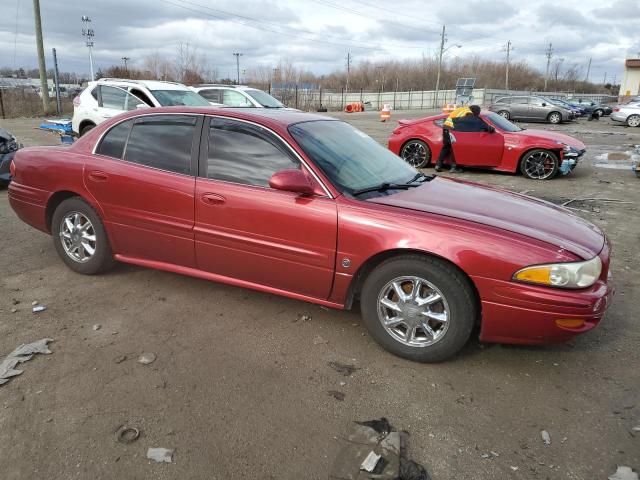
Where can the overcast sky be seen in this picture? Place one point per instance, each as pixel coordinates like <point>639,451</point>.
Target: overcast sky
<point>317,34</point>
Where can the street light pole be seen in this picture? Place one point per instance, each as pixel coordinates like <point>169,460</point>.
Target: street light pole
<point>238,55</point>
<point>125,60</point>
<point>88,34</point>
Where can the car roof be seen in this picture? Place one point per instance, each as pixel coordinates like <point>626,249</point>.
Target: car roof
<point>150,84</point>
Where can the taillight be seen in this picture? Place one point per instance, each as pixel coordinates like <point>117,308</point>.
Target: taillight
<point>616,109</point>
<point>12,169</point>
<point>76,101</point>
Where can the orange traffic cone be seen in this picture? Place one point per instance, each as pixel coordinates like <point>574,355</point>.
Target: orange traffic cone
<point>385,113</point>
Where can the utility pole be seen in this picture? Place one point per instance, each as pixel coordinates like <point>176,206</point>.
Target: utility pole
<point>443,39</point>
<point>238,55</point>
<point>588,70</point>
<point>88,34</point>
<point>348,70</point>
<point>604,80</point>
<point>56,81</point>
<point>506,75</point>
<point>125,60</point>
<point>549,54</point>
<point>44,86</point>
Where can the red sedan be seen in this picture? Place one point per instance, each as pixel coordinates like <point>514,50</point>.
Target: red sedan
<point>309,207</point>
<point>538,154</point>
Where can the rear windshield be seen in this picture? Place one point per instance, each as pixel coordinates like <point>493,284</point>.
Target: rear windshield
<point>170,98</point>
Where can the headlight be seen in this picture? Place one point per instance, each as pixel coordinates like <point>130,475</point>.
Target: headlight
<point>562,275</point>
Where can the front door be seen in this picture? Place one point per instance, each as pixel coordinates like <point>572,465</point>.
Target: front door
<point>245,229</point>
<point>143,178</point>
<point>538,108</point>
<point>478,149</point>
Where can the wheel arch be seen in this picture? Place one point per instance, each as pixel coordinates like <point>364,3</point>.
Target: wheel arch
<point>85,123</point>
<point>355,287</point>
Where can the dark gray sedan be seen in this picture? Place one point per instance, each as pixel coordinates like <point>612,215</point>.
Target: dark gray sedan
<point>531,108</point>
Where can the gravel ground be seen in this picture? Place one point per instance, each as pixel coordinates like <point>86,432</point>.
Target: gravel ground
<point>240,385</point>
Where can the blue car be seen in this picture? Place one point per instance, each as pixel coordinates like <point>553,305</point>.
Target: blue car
<point>578,111</point>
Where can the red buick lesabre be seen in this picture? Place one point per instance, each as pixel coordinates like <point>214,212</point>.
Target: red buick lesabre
<point>309,207</point>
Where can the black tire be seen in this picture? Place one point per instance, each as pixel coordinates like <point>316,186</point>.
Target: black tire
<point>554,118</point>
<point>550,169</point>
<point>86,128</point>
<point>455,288</point>
<point>411,153</point>
<point>599,112</point>
<point>633,120</point>
<point>102,258</point>
<point>505,114</point>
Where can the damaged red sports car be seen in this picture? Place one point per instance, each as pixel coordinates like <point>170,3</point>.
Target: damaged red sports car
<point>537,154</point>
<point>309,207</point>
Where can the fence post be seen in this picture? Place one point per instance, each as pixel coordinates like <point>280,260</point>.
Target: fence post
<point>2,104</point>
<point>342,101</point>
<point>421,99</point>
<point>379,94</point>
<point>394,99</point>
<point>320,96</point>
<point>360,95</point>
<point>296,95</point>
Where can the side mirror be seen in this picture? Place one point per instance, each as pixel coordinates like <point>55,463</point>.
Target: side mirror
<point>291,181</point>
<point>142,106</point>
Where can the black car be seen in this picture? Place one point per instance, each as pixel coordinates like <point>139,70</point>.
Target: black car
<point>589,106</point>
<point>8,147</point>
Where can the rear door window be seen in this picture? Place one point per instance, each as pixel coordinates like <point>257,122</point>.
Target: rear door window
<point>519,100</point>
<point>112,97</point>
<point>162,141</point>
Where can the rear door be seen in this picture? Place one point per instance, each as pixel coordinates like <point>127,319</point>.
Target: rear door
<point>113,101</point>
<point>248,231</point>
<point>143,177</point>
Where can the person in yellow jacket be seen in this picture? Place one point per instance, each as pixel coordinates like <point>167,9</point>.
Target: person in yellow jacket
<point>447,150</point>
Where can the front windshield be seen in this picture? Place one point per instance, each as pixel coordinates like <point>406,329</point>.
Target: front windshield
<point>170,98</point>
<point>351,159</point>
<point>502,123</point>
<point>264,99</point>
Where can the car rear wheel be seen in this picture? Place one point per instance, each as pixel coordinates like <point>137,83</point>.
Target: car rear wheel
<point>86,128</point>
<point>539,164</point>
<point>554,118</point>
<point>599,112</point>
<point>633,120</point>
<point>80,238</point>
<point>504,113</point>
<point>418,307</point>
<point>416,153</point>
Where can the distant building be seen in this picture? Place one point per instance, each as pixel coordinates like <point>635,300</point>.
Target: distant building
<point>630,85</point>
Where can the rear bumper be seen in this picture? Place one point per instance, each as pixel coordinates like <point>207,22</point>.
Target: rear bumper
<point>29,204</point>
<point>526,314</point>
<point>618,117</point>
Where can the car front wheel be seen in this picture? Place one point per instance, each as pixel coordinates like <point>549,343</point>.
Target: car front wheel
<point>80,238</point>
<point>554,118</point>
<point>633,120</point>
<point>504,113</point>
<point>539,164</point>
<point>416,153</point>
<point>419,307</point>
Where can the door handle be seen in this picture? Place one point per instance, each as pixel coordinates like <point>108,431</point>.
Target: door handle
<point>98,176</point>
<point>212,199</point>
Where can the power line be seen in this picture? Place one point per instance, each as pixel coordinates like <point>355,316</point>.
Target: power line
<point>395,12</point>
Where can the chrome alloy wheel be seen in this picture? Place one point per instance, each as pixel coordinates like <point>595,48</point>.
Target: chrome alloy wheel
<point>78,237</point>
<point>539,165</point>
<point>414,154</point>
<point>413,311</point>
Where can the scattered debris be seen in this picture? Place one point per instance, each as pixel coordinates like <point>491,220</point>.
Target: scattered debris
<point>624,473</point>
<point>318,340</point>
<point>564,439</point>
<point>97,327</point>
<point>39,308</point>
<point>302,318</point>
<point>345,369</point>
<point>495,454</point>
<point>374,447</point>
<point>546,438</point>
<point>369,464</point>
<point>127,435</point>
<point>160,455</point>
<point>34,303</point>
<point>485,455</point>
<point>120,359</point>
<point>636,429</point>
<point>147,358</point>
<point>14,310</point>
<point>21,354</point>
<point>515,469</point>
<point>337,395</point>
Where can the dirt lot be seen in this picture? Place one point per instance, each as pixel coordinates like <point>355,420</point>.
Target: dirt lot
<point>240,385</point>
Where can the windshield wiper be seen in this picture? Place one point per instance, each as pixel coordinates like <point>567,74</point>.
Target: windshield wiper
<point>383,187</point>
<point>419,175</point>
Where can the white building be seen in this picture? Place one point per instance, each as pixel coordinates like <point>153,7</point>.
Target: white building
<point>630,85</point>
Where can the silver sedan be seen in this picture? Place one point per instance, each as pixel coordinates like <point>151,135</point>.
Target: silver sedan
<point>628,113</point>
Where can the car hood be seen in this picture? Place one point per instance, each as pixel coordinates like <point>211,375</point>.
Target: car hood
<point>502,209</point>
<point>551,135</point>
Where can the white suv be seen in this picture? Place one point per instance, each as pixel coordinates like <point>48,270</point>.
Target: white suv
<point>108,97</point>
<point>222,95</point>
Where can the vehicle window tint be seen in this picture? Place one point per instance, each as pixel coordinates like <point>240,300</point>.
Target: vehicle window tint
<point>212,95</point>
<point>94,93</point>
<point>132,102</point>
<point>162,141</point>
<point>113,97</point>
<point>112,144</point>
<point>142,96</point>
<point>235,99</point>
<point>244,153</point>
<point>520,100</point>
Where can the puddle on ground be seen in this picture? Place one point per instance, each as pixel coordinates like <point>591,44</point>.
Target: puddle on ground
<point>626,160</point>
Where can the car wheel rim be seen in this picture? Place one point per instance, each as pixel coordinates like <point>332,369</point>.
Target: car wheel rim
<point>634,121</point>
<point>555,118</point>
<point>413,311</point>
<point>78,237</point>
<point>504,114</point>
<point>539,165</point>
<point>414,154</point>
